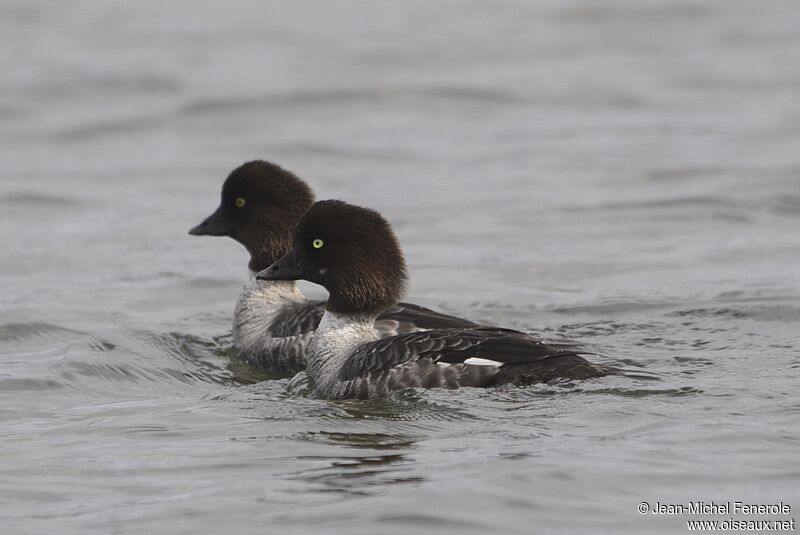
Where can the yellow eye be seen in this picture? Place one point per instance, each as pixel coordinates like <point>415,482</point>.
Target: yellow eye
<point>317,243</point>
<point>240,202</point>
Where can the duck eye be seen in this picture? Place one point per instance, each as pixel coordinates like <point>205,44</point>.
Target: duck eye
<point>240,202</point>
<point>317,243</point>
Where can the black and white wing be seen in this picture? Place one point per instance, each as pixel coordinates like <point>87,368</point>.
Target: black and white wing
<point>449,346</point>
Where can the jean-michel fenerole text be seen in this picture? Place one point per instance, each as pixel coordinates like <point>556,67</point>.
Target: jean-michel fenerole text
<point>720,508</point>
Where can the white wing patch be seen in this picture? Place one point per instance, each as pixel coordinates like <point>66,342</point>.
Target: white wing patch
<point>476,361</point>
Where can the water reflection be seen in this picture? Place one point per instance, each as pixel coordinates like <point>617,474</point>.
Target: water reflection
<point>366,463</point>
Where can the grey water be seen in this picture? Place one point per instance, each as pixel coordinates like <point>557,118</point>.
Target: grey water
<point>623,174</point>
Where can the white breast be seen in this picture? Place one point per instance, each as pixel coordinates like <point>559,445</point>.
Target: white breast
<point>258,305</point>
<point>334,341</point>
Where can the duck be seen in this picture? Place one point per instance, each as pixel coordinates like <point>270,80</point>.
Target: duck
<point>261,204</point>
<point>354,254</point>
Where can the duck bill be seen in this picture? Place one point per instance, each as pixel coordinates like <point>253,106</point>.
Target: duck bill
<point>214,225</point>
<point>285,269</point>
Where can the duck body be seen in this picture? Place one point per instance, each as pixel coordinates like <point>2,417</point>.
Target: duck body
<point>346,359</point>
<point>353,253</point>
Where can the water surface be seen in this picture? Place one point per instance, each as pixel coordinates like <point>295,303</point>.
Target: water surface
<point>626,175</point>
